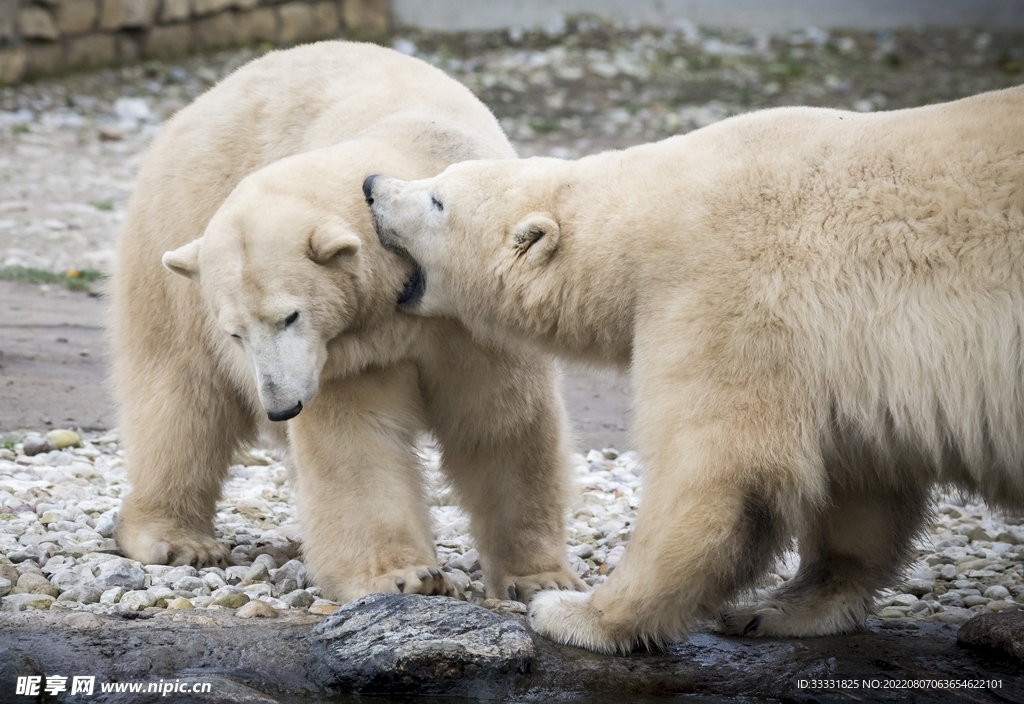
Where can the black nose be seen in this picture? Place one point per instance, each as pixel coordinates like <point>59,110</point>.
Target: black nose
<point>285,415</point>
<point>368,188</point>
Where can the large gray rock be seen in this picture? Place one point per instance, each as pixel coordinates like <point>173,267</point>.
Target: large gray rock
<point>1004,631</point>
<point>429,645</point>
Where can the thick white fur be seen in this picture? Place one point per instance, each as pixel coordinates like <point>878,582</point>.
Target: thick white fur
<point>824,316</point>
<point>254,193</point>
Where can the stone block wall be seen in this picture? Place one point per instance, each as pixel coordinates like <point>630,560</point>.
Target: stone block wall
<point>38,37</point>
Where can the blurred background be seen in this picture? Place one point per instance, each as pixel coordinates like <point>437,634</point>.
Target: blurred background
<point>88,83</point>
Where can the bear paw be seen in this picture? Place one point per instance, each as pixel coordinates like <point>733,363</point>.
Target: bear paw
<point>423,579</point>
<point>770,620</point>
<point>523,588</point>
<point>173,547</point>
<point>570,618</point>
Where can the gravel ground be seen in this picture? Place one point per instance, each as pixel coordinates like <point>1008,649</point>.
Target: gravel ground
<point>58,509</point>
<point>69,152</point>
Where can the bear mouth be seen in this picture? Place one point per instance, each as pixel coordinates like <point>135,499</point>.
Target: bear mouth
<point>414,286</point>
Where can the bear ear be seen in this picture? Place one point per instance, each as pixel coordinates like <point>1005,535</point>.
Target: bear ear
<point>327,243</point>
<point>184,261</point>
<point>535,238</point>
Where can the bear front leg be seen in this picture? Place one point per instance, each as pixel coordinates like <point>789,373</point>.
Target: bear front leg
<point>502,428</point>
<point>180,427</point>
<point>365,523</point>
<point>721,488</point>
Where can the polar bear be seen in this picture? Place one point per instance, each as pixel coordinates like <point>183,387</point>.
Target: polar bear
<point>285,310</point>
<point>823,313</point>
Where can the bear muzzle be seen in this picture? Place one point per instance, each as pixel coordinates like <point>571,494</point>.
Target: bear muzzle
<point>278,416</point>
<point>368,188</point>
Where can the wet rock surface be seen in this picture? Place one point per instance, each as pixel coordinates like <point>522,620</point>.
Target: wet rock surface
<point>430,646</point>
<point>1004,632</point>
<point>391,643</point>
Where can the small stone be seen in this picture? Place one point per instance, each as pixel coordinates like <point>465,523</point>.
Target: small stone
<point>136,600</point>
<point>106,523</point>
<point>953,615</point>
<point>258,572</point>
<point>33,583</point>
<point>323,607</point>
<point>286,586</point>
<point>213,581</point>
<point>225,590</point>
<point>121,572</point>
<point>26,602</point>
<point>5,586</point>
<point>256,609</point>
<point>997,591</point>
<point>83,594</point>
<point>173,575</point>
<point>35,445</point>
<point>235,574</point>
<point>997,605</point>
<point>161,594</point>
<point>460,579</point>
<point>61,438</point>
<point>1008,537</point>
<point>299,599</point>
<point>194,585</point>
<point>112,595</point>
<point>951,599</point>
<point>948,572</point>
<point>614,555</point>
<point>180,604</point>
<point>979,534</point>
<point>468,563</point>
<point>892,612</point>
<point>276,603</point>
<point>902,600</point>
<point>293,569</point>
<point>110,133</point>
<point>975,600</point>
<point>231,601</point>
<point>83,619</point>
<point>918,587</point>
<point>582,551</point>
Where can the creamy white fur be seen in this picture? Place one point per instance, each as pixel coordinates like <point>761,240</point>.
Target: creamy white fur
<point>252,194</point>
<point>823,313</point>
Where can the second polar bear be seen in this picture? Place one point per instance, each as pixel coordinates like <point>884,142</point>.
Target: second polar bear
<point>823,313</point>
<point>285,308</point>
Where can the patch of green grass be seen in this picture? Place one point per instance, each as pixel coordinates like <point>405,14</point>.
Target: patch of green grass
<point>1008,64</point>
<point>20,129</point>
<point>74,280</point>
<point>104,205</point>
<point>542,124</point>
<point>9,445</point>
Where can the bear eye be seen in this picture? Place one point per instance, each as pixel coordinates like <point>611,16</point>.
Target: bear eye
<point>437,204</point>
<point>234,336</point>
<point>291,318</point>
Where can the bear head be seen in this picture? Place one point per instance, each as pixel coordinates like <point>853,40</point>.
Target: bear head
<point>283,271</point>
<point>481,235</point>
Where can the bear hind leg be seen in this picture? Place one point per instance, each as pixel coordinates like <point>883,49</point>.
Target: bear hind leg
<point>850,550</point>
